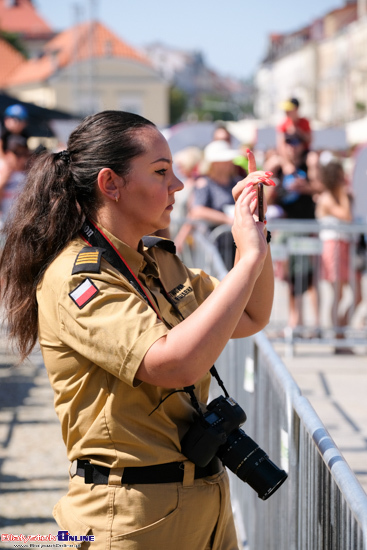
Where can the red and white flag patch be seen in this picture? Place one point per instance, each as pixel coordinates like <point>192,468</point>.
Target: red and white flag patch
<point>83,293</point>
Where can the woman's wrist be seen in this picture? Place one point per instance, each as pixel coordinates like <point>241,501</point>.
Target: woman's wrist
<point>266,233</point>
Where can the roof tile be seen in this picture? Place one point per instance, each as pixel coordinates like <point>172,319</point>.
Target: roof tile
<point>75,44</point>
<point>22,18</point>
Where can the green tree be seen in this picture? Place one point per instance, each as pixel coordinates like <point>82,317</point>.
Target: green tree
<point>216,107</point>
<point>15,41</point>
<point>177,105</point>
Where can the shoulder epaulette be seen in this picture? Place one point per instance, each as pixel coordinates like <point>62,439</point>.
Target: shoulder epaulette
<point>88,260</point>
<point>150,241</point>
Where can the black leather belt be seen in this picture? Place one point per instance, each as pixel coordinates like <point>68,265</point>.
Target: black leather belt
<point>161,473</point>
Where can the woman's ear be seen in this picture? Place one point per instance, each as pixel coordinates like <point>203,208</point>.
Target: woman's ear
<point>109,183</point>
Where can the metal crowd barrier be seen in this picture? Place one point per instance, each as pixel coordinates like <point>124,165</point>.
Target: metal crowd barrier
<point>297,248</point>
<point>321,506</point>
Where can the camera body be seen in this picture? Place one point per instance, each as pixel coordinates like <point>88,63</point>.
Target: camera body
<point>210,431</point>
<point>216,433</point>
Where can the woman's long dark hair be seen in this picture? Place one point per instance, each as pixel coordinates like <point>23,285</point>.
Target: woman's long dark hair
<point>60,191</point>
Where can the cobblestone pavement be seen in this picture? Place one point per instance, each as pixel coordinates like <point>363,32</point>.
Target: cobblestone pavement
<point>33,463</point>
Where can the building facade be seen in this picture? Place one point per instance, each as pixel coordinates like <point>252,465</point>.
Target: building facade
<point>324,65</point>
<point>84,69</point>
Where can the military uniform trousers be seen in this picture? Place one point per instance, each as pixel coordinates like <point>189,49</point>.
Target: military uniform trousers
<point>194,514</point>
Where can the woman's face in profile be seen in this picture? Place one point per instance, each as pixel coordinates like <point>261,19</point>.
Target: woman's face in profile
<point>147,195</point>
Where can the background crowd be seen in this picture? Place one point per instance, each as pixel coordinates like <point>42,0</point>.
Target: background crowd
<point>308,185</point>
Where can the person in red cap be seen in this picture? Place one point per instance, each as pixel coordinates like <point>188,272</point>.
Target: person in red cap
<point>294,126</point>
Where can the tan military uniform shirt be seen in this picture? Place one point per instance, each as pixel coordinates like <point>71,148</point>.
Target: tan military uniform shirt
<point>93,352</point>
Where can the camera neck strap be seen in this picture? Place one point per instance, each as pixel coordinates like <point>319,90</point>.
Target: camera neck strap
<point>94,236</point>
<point>193,398</point>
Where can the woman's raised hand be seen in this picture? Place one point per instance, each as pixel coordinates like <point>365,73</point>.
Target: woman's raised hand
<point>253,178</point>
<point>248,234</point>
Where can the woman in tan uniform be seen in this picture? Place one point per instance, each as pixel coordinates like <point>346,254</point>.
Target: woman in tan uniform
<point>125,328</point>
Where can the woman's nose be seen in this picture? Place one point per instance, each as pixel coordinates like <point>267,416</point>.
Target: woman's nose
<point>177,185</point>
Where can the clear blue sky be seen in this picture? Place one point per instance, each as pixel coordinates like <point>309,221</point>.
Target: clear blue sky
<point>231,34</point>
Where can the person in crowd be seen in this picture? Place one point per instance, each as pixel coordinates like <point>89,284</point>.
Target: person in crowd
<point>294,126</point>
<point>15,123</point>
<point>313,163</point>
<point>293,198</point>
<point>293,192</point>
<point>186,164</point>
<point>213,199</point>
<point>334,208</point>
<point>127,331</point>
<point>13,165</point>
<point>221,133</point>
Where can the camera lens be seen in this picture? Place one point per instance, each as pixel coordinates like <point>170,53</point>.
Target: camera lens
<point>251,464</point>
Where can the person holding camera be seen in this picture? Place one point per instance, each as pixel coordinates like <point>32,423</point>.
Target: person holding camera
<point>127,331</point>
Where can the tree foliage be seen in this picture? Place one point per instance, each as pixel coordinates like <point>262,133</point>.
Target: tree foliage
<point>15,41</point>
<point>178,104</point>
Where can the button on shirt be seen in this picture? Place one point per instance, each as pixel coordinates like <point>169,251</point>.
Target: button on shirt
<point>92,355</point>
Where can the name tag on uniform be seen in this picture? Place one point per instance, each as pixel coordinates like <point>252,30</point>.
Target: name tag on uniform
<point>178,293</point>
<point>83,293</point>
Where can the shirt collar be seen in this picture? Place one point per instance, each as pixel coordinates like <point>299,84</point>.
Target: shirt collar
<point>137,260</point>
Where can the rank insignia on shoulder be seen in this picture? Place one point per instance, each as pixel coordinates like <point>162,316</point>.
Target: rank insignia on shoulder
<point>83,293</point>
<point>88,260</point>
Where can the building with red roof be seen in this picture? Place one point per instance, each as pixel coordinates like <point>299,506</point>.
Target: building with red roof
<point>84,69</point>
<point>21,18</point>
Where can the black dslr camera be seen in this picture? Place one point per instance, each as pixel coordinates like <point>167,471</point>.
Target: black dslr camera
<point>216,432</point>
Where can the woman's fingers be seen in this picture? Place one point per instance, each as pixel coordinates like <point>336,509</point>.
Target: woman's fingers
<point>252,167</point>
<point>249,194</point>
<point>247,198</point>
<point>265,180</point>
<point>252,180</point>
<point>251,161</point>
<point>247,232</point>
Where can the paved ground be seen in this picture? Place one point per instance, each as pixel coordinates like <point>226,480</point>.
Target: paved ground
<point>336,387</point>
<point>334,384</point>
<point>33,463</point>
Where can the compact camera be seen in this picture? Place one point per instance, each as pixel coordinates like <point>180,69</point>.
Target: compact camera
<point>216,433</point>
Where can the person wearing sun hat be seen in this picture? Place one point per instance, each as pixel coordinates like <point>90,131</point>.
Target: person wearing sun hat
<point>213,198</point>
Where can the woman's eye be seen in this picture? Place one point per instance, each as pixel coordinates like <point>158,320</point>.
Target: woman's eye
<point>162,171</point>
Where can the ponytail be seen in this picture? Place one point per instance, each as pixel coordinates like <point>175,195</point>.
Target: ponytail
<point>60,191</point>
<point>44,219</point>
